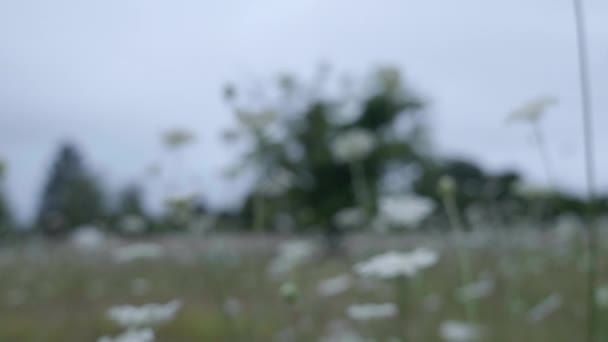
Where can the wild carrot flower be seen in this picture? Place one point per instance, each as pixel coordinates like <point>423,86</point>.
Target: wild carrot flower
<point>143,316</point>
<point>405,211</point>
<point>291,254</point>
<point>364,312</point>
<point>334,286</point>
<point>131,335</point>
<point>136,251</point>
<point>353,145</point>
<point>457,331</point>
<point>533,110</point>
<point>547,306</point>
<point>397,264</point>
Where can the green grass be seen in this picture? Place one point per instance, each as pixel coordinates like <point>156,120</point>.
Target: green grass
<point>60,294</point>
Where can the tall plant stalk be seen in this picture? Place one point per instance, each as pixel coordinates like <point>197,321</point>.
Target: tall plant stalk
<point>446,190</point>
<point>359,184</point>
<point>585,89</point>
<point>544,154</point>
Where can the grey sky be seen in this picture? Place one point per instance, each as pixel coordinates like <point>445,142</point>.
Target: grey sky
<point>113,74</point>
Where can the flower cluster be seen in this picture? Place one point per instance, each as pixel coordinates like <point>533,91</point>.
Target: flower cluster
<point>397,264</point>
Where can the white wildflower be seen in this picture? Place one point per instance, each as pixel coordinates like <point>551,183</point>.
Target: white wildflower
<point>146,315</point>
<point>533,110</point>
<point>334,286</point>
<point>546,307</point>
<point>290,255</point>
<point>138,251</point>
<point>339,331</point>
<point>601,296</point>
<point>476,290</point>
<point>353,145</point>
<point>396,264</point>
<point>88,238</point>
<point>405,211</point>
<point>131,335</point>
<point>364,312</point>
<point>347,112</point>
<point>457,331</point>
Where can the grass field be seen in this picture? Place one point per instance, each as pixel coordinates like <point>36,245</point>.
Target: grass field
<point>55,291</point>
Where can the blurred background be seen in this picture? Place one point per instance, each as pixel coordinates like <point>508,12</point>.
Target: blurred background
<point>283,118</point>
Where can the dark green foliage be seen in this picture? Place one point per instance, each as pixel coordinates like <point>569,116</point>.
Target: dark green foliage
<point>6,216</point>
<point>130,202</point>
<point>322,185</point>
<point>71,196</point>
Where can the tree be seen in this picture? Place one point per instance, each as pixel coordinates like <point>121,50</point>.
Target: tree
<point>130,201</point>
<point>6,217</point>
<point>72,195</point>
<point>299,165</point>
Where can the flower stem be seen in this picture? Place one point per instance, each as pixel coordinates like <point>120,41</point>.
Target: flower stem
<point>402,296</point>
<point>359,184</point>
<point>592,244</point>
<point>544,154</point>
<point>464,265</point>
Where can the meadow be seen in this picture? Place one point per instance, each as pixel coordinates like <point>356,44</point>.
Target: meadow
<point>527,285</point>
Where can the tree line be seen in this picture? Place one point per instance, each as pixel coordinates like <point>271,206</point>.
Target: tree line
<point>313,152</point>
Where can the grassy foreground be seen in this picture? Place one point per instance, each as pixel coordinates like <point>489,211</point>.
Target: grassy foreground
<point>52,291</point>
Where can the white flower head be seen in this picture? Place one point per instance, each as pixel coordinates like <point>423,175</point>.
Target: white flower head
<point>365,312</point>
<point>601,296</point>
<point>397,264</point>
<point>129,316</point>
<point>457,331</point>
<point>88,238</point>
<point>347,112</point>
<point>334,286</point>
<point>138,251</point>
<point>131,335</point>
<point>405,211</point>
<point>476,290</point>
<point>340,331</point>
<point>533,110</point>
<point>291,254</point>
<point>546,307</point>
<point>353,145</point>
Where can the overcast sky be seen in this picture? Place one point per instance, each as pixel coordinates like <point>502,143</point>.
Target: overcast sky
<point>113,74</point>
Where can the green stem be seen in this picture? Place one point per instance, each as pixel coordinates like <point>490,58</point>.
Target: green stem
<point>544,154</point>
<point>464,265</point>
<point>402,292</point>
<point>592,244</point>
<point>360,190</point>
